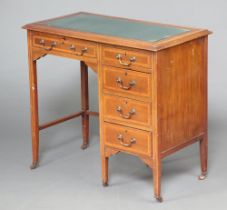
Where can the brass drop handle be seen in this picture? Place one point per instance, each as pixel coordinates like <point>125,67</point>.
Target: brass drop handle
<point>127,116</point>
<point>72,47</point>
<point>121,139</point>
<point>131,59</point>
<point>52,45</point>
<point>83,50</point>
<point>120,83</point>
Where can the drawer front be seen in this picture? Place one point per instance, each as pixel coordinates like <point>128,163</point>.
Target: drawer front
<point>127,139</point>
<point>69,45</point>
<point>126,111</point>
<point>132,59</point>
<point>47,42</point>
<point>126,81</point>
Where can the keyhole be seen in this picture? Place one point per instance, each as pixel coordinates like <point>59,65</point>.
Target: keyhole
<point>126,73</point>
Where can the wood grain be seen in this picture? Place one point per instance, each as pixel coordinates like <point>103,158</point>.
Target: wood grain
<point>194,33</point>
<point>164,81</point>
<point>84,104</point>
<point>143,144</point>
<point>142,87</point>
<point>33,103</point>
<point>140,119</point>
<point>181,93</point>
<point>143,59</point>
<point>63,119</point>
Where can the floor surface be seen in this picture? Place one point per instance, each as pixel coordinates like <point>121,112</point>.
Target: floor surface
<point>70,178</point>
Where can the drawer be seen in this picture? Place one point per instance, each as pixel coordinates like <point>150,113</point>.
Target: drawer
<point>126,111</point>
<point>127,82</point>
<point>47,42</point>
<point>127,139</point>
<point>69,45</point>
<point>132,59</point>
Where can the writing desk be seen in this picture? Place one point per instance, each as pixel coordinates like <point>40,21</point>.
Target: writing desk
<point>152,81</point>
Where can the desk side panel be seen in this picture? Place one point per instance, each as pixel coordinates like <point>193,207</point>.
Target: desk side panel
<point>182,84</point>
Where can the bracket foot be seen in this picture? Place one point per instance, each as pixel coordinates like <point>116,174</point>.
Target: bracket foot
<point>34,165</point>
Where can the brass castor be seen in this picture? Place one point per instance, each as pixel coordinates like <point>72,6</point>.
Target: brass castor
<point>84,146</point>
<point>159,199</point>
<point>34,165</point>
<point>203,176</point>
<point>105,184</point>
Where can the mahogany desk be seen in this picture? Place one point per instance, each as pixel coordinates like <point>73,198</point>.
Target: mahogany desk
<point>152,82</point>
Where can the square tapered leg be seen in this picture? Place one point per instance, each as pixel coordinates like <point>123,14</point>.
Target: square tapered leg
<point>84,104</point>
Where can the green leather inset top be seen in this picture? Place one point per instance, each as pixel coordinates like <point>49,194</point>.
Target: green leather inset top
<point>122,28</point>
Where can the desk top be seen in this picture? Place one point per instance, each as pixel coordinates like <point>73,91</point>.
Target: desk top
<point>107,29</point>
<point>110,26</point>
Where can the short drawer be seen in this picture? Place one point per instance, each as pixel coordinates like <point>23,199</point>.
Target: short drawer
<point>69,45</point>
<point>47,42</point>
<point>124,58</point>
<point>127,139</point>
<point>126,111</point>
<point>127,82</point>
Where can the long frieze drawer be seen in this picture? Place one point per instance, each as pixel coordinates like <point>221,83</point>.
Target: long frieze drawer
<point>126,81</point>
<point>126,111</point>
<point>73,46</point>
<point>134,59</point>
<point>127,139</point>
